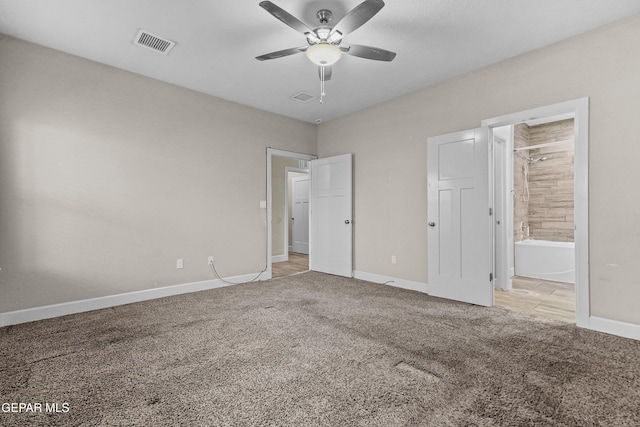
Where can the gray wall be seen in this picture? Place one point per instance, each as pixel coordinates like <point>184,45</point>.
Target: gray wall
<point>389,144</point>
<point>108,177</point>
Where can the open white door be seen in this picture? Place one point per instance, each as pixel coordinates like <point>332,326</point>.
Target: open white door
<point>300,228</point>
<point>331,234</point>
<point>459,240</point>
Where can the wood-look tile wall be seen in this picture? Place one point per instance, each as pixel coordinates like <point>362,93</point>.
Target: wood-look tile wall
<point>520,204</point>
<point>550,209</point>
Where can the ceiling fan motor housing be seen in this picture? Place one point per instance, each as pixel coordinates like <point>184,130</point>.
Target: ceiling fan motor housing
<point>324,16</point>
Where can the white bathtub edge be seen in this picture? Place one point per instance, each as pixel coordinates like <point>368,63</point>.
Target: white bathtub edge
<point>545,260</point>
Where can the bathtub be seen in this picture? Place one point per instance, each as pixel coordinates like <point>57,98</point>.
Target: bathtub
<point>546,260</point>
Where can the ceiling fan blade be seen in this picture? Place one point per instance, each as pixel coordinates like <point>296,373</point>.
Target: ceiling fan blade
<point>281,53</point>
<point>369,52</point>
<point>286,17</point>
<point>327,72</point>
<point>358,16</point>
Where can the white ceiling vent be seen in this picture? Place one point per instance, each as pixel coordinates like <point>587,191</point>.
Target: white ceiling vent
<point>303,97</point>
<point>153,42</point>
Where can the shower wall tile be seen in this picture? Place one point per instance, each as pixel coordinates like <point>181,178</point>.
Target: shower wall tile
<point>520,206</point>
<point>549,212</point>
<point>551,202</point>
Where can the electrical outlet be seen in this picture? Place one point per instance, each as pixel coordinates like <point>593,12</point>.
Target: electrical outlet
<point>210,260</point>
<point>180,263</point>
<point>393,259</point>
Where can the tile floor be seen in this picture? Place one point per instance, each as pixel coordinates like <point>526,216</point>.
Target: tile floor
<point>297,264</point>
<point>552,299</point>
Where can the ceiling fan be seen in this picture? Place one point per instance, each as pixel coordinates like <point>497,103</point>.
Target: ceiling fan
<point>325,46</point>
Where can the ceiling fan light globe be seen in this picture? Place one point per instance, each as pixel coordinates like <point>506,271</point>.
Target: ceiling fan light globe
<point>324,54</point>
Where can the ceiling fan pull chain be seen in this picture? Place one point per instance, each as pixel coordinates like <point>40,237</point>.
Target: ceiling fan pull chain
<point>322,94</point>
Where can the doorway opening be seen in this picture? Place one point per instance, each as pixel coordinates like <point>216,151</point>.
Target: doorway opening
<point>330,219</point>
<point>282,168</point>
<point>296,230</point>
<point>539,187</point>
<point>540,195</point>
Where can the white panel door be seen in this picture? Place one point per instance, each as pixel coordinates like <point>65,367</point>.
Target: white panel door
<point>331,234</point>
<point>459,221</point>
<point>300,228</point>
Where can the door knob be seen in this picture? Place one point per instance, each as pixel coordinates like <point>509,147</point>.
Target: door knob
<point>432,224</point>
<point>346,221</point>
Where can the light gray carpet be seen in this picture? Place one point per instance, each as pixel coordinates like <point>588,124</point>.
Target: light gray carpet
<point>314,349</point>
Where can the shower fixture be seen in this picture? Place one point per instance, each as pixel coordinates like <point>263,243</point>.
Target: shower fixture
<point>532,160</point>
<point>525,171</point>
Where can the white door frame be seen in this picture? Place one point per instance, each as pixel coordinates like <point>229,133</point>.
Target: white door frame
<point>579,108</point>
<point>288,169</point>
<point>503,206</point>
<point>271,152</point>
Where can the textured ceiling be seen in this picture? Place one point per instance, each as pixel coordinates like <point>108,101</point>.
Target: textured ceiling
<point>217,42</point>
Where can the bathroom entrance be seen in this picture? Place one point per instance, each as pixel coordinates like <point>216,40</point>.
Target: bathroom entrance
<point>540,199</point>
<point>542,270</point>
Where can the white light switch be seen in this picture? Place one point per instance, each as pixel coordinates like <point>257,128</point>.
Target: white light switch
<point>263,204</point>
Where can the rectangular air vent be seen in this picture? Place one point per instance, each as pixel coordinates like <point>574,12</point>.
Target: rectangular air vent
<point>153,42</point>
<point>303,97</point>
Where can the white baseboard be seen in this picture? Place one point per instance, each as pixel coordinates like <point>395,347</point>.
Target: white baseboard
<point>279,258</point>
<point>614,327</point>
<point>392,281</point>
<point>73,307</point>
